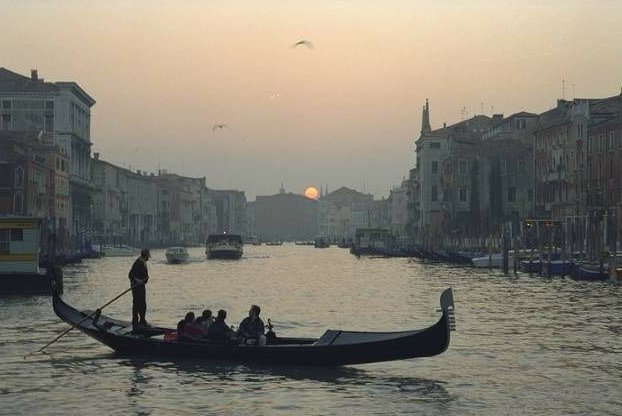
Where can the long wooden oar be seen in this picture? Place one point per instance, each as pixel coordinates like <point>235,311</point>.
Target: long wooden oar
<point>97,312</point>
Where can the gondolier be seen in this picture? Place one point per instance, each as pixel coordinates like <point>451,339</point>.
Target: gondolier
<point>138,279</point>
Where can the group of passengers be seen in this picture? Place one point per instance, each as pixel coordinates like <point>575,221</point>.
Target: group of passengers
<point>205,327</point>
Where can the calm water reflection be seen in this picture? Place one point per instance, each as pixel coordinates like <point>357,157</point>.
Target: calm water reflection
<point>523,345</point>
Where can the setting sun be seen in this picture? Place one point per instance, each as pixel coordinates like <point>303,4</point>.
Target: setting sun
<point>311,192</point>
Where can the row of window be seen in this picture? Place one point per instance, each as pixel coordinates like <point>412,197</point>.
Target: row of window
<point>599,171</point>
<point>11,234</point>
<point>27,104</point>
<point>7,235</point>
<point>463,194</point>
<point>61,164</point>
<point>602,145</point>
<point>6,123</point>
<point>505,166</point>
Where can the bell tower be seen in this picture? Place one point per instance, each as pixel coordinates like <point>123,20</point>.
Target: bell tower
<point>425,119</point>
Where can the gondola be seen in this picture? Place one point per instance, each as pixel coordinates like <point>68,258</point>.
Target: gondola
<point>333,348</point>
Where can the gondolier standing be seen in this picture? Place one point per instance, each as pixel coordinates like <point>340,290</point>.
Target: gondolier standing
<point>138,279</point>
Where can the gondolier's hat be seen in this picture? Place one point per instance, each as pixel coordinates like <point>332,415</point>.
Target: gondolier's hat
<point>145,253</point>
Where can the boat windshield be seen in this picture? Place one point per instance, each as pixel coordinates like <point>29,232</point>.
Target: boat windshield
<point>216,238</point>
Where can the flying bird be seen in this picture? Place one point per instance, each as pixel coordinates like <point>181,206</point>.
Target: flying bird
<point>303,43</point>
<point>218,126</point>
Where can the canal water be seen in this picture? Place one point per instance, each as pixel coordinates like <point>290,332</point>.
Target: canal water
<point>523,345</point>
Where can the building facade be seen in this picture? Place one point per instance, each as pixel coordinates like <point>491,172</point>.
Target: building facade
<point>59,114</point>
<point>285,217</point>
<point>445,181</point>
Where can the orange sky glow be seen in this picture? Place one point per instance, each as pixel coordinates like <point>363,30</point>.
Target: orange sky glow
<point>345,113</point>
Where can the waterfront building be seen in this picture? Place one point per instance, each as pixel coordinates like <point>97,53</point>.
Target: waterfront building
<point>285,216</point>
<point>562,145</point>
<point>446,181</point>
<point>34,182</point>
<point>230,209</point>
<point>251,228</point>
<point>59,113</point>
<point>398,209</point>
<point>559,159</point>
<point>506,151</point>
<point>125,208</point>
<point>184,208</point>
<point>343,211</point>
<point>604,164</point>
<point>604,185</point>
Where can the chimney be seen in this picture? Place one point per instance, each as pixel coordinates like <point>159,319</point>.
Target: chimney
<point>34,77</point>
<point>497,119</point>
<point>96,155</point>
<point>138,172</point>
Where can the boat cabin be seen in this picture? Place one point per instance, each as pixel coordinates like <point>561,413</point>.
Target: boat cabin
<point>19,244</point>
<point>372,241</point>
<point>19,258</point>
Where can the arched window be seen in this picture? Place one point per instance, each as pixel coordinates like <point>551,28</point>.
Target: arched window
<point>19,177</point>
<point>18,203</point>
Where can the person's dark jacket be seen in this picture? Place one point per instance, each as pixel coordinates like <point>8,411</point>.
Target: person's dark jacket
<point>250,328</point>
<point>219,331</point>
<point>139,271</point>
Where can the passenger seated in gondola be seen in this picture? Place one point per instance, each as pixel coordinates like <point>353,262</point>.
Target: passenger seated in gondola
<point>192,329</point>
<point>206,319</point>
<point>175,335</point>
<point>219,330</point>
<point>252,328</point>
<point>179,335</point>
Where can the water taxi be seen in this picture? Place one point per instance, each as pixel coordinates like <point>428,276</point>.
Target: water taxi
<point>177,255</point>
<point>224,246</point>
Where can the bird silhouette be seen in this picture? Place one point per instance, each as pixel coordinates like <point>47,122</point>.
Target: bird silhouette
<point>218,126</point>
<point>303,43</point>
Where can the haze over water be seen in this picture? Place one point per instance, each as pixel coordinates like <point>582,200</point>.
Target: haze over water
<point>345,113</point>
<point>523,345</point>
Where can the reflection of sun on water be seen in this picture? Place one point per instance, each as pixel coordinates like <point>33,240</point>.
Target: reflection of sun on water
<point>311,192</point>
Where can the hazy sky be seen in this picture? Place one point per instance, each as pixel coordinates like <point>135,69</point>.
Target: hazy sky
<point>345,113</point>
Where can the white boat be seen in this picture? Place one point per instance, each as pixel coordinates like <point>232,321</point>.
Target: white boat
<point>177,255</point>
<point>493,260</point>
<point>224,246</point>
<point>254,240</point>
<point>120,251</point>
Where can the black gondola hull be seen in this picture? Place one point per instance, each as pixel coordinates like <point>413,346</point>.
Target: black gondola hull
<point>335,348</point>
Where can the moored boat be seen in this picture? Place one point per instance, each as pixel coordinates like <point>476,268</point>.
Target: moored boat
<point>590,271</point>
<point>121,250</point>
<point>333,348</point>
<point>224,246</point>
<point>494,260</point>
<point>274,243</point>
<point>553,267</point>
<point>321,242</point>
<point>177,255</point>
<point>19,259</point>
<point>371,242</point>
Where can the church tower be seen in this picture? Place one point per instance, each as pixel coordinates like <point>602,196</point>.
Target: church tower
<point>425,119</point>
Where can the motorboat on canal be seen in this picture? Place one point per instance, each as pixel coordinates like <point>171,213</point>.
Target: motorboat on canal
<point>121,250</point>
<point>177,255</point>
<point>224,246</point>
<point>333,348</point>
